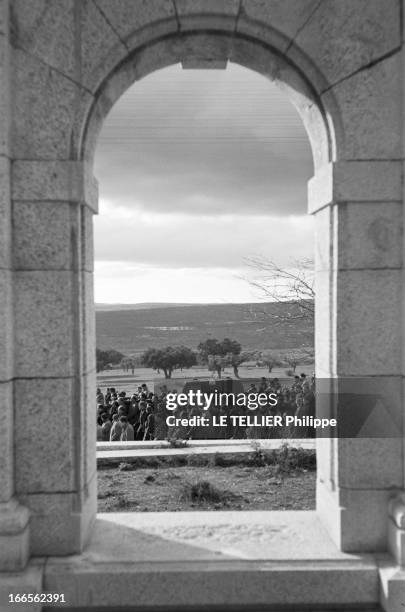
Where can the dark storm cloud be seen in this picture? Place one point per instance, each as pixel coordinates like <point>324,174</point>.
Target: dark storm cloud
<point>209,143</point>
<point>199,170</point>
<point>212,180</point>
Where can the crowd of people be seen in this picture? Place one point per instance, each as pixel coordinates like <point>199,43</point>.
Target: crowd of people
<point>123,418</point>
<point>142,415</point>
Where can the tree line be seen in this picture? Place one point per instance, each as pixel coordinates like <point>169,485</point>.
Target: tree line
<point>214,354</point>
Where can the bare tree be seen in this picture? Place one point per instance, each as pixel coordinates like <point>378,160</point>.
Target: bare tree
<point>269,359</point>
<point>292,360</point>
<point>293,287</point>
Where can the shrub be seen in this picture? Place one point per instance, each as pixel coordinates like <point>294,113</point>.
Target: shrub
<point>172,476</point>
<point>290,459</point>
<point>202,491</point>
<point>219,460</point>
<point>142,462</point>
<point>177,443</point>
<point>175,461</point>
<point>121,502</point>
<point>287,458</point>
<point>126,467</point>
<point>258,457</point>
<point>198,460</point>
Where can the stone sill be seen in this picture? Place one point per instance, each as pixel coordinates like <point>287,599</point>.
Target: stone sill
<point>268,443</point>
<point>111,452</point>
<point>182,560</point>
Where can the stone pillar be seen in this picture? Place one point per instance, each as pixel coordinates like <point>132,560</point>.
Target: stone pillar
<point>55,467</point>
<point>14,532</point>
<point>396,518</point>
<point>359,288</point>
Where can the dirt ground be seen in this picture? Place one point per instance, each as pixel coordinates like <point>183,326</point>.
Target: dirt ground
<point>229,488</point>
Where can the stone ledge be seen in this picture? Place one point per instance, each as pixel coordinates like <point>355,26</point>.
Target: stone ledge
<point>225,608</point>
<point>53,181</point>
<point>153,561</point>
<point>13,517</point>
<point>30,580</point>
<point>392,586</point>
<point>249,444</point>
<point>355,181</point>
<point>230,559</point>
<point>213,584</point>
<point>114,452</point>
<point>14,536</point>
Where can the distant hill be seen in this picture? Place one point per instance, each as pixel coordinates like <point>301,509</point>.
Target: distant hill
<point>140,306</point>
<point>131,329</point>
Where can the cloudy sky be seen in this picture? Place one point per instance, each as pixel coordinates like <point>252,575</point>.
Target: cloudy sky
<point>198,171</point>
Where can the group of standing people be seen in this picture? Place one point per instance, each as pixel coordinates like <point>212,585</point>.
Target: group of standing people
<point>122,418</point>
<point>142,415</point>
<point>296,399</point>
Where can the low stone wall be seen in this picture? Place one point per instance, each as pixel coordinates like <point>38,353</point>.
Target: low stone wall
<point>110,454</point>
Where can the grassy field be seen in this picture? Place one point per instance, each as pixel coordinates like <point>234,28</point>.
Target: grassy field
<point>129,382</point>
<point>133,331</point>
<point>280,480</point>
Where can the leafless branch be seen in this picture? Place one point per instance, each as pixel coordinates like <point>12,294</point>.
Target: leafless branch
<point>293,285</point>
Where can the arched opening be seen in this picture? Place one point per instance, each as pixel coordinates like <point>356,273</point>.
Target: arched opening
<point>64,64</point>
<point>300,93</point>
<point>204,49</point>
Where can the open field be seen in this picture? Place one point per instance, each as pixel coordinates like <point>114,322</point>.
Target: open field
<point>253,325</point>
<point>129,382</point>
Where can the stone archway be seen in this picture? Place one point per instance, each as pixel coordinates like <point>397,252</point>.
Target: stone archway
<point>208,50</point>
<point>64,66</point>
